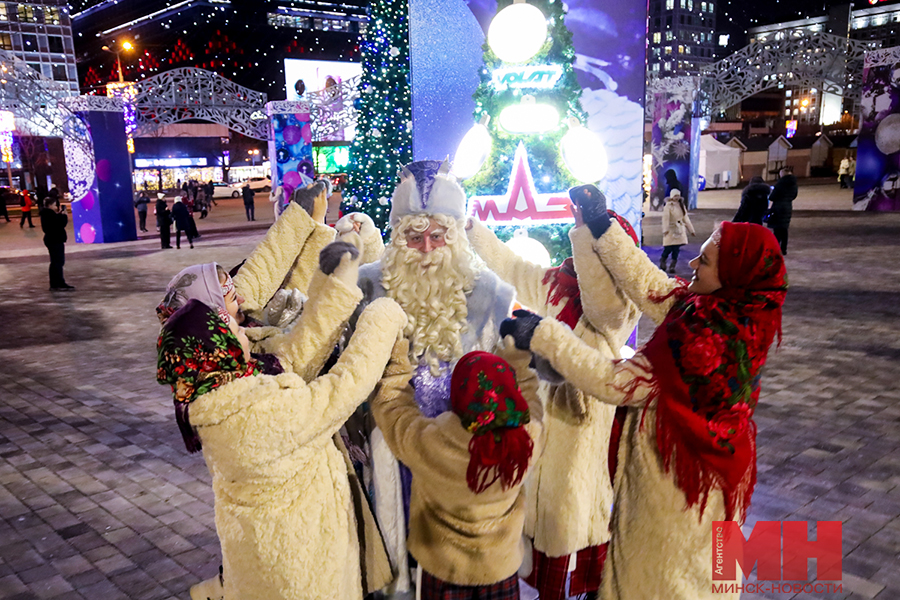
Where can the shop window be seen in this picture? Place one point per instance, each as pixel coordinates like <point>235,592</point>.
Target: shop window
<point>51,15</point>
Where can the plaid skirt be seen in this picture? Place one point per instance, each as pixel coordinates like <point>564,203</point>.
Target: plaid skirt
<point>435,589</point>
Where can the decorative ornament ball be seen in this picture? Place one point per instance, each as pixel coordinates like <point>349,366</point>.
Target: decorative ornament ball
<point>383,201</point>
<point>354,199</point>
<point>394,51</point>
<point>376,133</point>
<point>292,134</point>
<point>88,233</point>
<point>887,135</point>
<point>282,155</point>
<point>517,32</point>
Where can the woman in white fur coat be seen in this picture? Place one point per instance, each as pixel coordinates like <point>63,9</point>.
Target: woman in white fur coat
<point>688,454</point>
<point>284,513</point>
<point>569,494</point>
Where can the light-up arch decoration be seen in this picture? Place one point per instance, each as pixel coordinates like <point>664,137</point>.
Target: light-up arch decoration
<point>825,61</point>
<point>189,93</point>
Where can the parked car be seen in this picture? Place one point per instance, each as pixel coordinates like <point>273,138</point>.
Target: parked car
<point>226,190</point>
<point>259,184</point>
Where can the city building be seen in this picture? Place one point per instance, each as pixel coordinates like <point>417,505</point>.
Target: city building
<point>245,41</point>
<point>682,36</point>
<point>878,26</point>
<point>40,33</point>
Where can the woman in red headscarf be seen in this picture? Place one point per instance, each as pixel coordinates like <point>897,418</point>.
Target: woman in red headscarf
<point>688,452</point>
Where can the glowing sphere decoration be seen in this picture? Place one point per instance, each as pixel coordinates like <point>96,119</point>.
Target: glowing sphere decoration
<point>584,154</point>
<point>529,117</point>
<point>517,32</point>
<point>529,248</point>
<point>472,152</point>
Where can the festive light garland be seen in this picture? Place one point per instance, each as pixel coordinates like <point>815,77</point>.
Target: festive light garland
<point>383,142</point>
<point>128,92</point>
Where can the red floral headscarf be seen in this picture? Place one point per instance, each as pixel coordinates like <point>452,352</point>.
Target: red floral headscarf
<point>485,397</point>
<point>196,353</point>
<point>706,359</point>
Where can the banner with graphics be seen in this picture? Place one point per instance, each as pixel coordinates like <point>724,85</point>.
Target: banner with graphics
<point>877,181</point>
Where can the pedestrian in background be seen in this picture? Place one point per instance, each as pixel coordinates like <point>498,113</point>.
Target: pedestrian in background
<point>782,199</point>
<point>26,204</point>
<point>844,172</point>
<point>182,219</point>
<point>163,221</point>
<point>675,225</point>
<point>3,210</point>
<point>142,204</point>
<point>754,202</point>
<point>851,172</point>
<point>53,224</point>
<point>247,193</point>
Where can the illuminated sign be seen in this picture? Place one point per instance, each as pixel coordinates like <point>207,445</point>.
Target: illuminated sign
<point>791,128</point>
<point>151,163</point>
<point>538,77</point>
<point>331,159</point>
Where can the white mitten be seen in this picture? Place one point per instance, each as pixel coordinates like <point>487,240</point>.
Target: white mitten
<point>348,269</point>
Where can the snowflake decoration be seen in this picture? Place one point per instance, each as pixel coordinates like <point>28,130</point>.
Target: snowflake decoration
<point>681,149</point>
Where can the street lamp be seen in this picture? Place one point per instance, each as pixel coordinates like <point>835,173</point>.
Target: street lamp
<point>253,154</point>
<point>126,46</point>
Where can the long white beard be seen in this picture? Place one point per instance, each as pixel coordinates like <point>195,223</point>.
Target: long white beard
<point>431,288</point>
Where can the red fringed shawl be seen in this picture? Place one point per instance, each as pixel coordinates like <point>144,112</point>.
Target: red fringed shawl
<point>706,359</point>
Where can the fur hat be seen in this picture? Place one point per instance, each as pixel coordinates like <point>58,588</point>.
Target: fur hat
<point>427,188</point>
<point>675,193</point>
<point>160,195</point>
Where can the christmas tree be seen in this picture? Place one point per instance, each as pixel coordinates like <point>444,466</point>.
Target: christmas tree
<point>383,142</point>
<point>544,79</point>
<point>527,105</point>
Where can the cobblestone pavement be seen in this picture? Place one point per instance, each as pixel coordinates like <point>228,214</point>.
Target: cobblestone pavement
<point>98,498</point>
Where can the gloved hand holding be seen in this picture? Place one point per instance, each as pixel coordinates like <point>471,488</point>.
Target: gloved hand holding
<point>521,328</point>
<point>592,203</point>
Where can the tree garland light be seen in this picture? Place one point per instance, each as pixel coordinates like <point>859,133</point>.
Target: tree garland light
<point>383,142</point>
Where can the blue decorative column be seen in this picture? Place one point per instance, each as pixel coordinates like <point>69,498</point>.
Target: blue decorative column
<point>290,145</point>
<point>99,171</point>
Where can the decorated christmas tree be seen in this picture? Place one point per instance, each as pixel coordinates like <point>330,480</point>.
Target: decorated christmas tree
<point>383,142</point>
<point>528,99</point>
<point>528,145</point>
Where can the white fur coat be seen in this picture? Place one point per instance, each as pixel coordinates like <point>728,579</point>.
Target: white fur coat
<point>569,493</point>
<point>284,512</point>
<point>659,548</point>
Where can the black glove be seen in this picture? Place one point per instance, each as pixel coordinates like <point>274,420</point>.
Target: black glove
<point>330,257</point>
<point>592,203</point>
<point>521,328</point>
